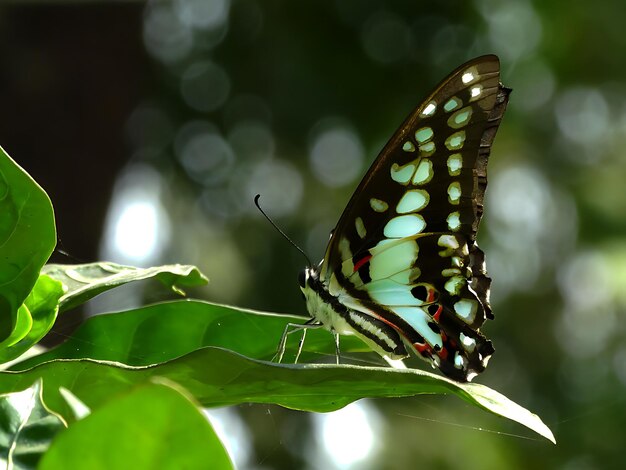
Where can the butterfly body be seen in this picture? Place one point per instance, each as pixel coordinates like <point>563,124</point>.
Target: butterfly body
<point>332,311</point>
<point>402,269</point>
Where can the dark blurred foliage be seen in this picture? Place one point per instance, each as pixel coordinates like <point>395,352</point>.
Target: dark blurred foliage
<point>173,115</point>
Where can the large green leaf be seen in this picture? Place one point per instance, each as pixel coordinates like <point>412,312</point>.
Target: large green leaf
<point>27,238</point>
<point>219,377</point>
<point>159,336</point>
<point>26,428</point>
<point>164,331</point>
<point>152,426</point>
<point>84,281</point>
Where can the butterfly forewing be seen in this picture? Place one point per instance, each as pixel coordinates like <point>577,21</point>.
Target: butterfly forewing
<point>404,251</point>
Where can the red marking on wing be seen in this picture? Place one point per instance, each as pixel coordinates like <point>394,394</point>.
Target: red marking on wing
<point>421,347</point>
<point>424,349</point>
<point>431,295</point>
<point>438,314</point>
<point>361,262</point>
<point>393,325</point>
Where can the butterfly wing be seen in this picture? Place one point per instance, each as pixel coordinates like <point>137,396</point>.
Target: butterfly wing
<point>404,250</point>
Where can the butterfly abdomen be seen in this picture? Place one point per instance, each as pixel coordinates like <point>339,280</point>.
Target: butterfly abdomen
<point>338,318</point>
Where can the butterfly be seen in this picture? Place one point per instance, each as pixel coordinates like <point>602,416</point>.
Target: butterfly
<point>402,270</point>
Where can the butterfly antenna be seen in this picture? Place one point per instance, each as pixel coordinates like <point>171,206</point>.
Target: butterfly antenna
<point>256,203</point>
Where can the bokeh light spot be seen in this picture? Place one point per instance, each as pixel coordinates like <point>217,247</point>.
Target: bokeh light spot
<point>202,14</point>
<point>535,85</point>
<point>348,435</point>
<point>205,86</point>
<point>137,227</point>
<point>335,153</point>
<point>588,319</point>
<point>277,181</point>
<point>165,37</point>
<point>207,158</point>
<point>514,27</point>
<point>582,115</point>
<point>535,224</point>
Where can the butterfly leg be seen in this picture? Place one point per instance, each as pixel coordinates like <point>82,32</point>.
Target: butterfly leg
<point>337,351</point>
<point>300,345</point>
<point>292,328</point>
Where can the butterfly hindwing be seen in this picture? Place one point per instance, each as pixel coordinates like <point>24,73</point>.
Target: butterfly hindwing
<point>404,251</point>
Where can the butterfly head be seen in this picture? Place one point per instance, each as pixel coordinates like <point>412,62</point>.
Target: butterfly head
<point>307,277</point>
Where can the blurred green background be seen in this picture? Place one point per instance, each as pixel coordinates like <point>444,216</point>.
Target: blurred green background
<point>153,124</point>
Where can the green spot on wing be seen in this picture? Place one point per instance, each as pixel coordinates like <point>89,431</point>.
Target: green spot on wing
<point>452,104</point>
<point>424,134</point>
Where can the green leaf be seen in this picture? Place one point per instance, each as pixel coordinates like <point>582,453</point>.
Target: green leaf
<point>152,426</point>
<point>160,335</point>
<point>160,332</point>
<point>218,377</point>
<point>27,238</point>
<point>84,281</point>
<point>26,428</point>
<point>41,307</point>
<point>23,324</point>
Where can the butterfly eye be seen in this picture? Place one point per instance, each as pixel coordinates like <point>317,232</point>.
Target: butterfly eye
<point>302,278</point>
